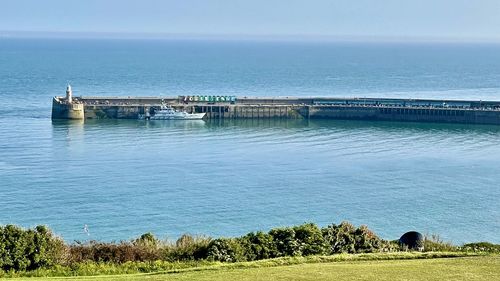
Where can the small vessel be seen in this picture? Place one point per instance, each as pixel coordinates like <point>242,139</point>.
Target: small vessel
<point>168,113</point>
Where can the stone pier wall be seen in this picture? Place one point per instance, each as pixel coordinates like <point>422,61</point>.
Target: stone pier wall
<point>418,111</point>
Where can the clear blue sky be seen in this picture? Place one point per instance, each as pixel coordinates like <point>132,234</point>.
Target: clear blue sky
<point>459,19</point>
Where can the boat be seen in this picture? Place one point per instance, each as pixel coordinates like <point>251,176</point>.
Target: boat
<point>169,113</point>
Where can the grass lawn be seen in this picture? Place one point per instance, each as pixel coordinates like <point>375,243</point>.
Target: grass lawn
<point>458,268</point>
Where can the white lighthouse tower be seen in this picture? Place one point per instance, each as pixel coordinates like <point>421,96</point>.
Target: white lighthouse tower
<point>69,94</point>
<point>66,108</point>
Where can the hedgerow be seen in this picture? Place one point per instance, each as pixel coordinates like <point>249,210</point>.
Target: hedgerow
<point>24,250</point>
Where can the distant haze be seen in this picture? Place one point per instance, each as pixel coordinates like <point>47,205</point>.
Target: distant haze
<point>462,20</point>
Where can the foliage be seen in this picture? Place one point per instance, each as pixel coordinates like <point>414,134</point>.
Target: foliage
<point>485,247</point>
<point>225,250</point>
<point>310,239</point>
<point>28,249</point>
<point>147,239</point>
<point>110,252</point>
<point>188,247</point>
<point>433,243</point>
<point>345,238</point>
<point>284,239</point>
<point>36,250</point>
<point>258,246</point>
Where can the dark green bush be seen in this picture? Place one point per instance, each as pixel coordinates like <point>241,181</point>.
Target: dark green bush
<point>310,239</point>
<point>340,238</point>
<point>345,238</point>
<point>284,239</point>
<point>29,249</point>
<point>300,240</point>
<point>225,250</point>
<point>148,240</point>
<point>366,241</point>
<point>258,246</point>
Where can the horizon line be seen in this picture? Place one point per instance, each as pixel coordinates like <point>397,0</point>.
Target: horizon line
<point>24,34</point>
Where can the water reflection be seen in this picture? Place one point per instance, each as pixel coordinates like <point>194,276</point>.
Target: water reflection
<point>74,126</point>
<point>70,129</point>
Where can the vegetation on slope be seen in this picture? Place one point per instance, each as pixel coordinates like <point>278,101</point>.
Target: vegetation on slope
<point>37,252</point>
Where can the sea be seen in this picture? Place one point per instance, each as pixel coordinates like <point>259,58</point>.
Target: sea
<point>123,178</point>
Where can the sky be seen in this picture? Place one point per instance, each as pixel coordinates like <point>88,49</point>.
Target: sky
<point>453,19</point>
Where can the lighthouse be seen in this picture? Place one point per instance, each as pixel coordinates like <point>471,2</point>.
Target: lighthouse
<point>65,108</point>
<point>69,94</point>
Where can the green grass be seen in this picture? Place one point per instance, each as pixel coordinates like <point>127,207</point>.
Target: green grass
<point>401,266</point>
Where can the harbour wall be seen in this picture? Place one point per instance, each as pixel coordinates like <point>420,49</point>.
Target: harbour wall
<point>442,111</point>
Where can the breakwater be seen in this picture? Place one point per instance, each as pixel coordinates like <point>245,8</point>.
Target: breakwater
<point>415,110</point>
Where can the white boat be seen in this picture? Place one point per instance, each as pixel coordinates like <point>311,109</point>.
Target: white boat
<point>168,113</point>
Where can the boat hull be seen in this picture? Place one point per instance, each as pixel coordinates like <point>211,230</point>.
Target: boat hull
<point>191,116</point>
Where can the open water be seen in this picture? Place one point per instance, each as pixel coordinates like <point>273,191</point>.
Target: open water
<point>126,177</point>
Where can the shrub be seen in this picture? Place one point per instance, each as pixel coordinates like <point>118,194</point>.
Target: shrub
<point>310,239</point>
<point>366,241</point>
<point>345,238</point>
<point>112,252</point>
<point>481,247</point>
<point>188,247</point>
<point>30,249</point>
<point>340,238</point>
<point>433,243</point>
<point>147,240</point>
<point>390,246</point>
<point>257,246</point>
<point>301,240</point>
<point>285,242</point>
<point>225,250</point>
<point>143,249</point>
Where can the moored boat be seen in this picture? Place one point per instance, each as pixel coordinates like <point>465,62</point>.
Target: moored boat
<point>169,113</point>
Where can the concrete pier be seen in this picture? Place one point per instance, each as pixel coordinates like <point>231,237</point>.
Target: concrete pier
<point>414,110</point>
<point>66,107</point>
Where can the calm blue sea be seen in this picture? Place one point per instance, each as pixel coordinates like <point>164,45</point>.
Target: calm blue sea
<point>124,177</point>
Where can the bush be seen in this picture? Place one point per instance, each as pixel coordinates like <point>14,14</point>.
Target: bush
<point>340,238</point>
<point>257,246</point>
<point>300,240</point>
<point>225,250</point>
<point>310,239</point>
<point>145,248</point>
<point>433,243</point>
<point>147,240</point>
<point>345,238</point>
<point>29,249</point>
<point>188,247</point>
<point>366,241</point>
<point>481,247</point>
<point>285,242</point>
